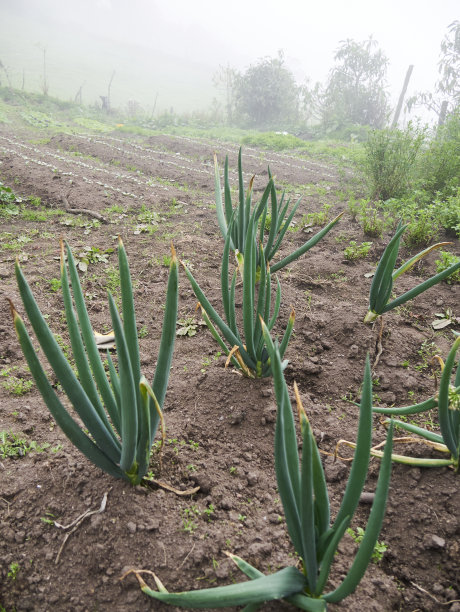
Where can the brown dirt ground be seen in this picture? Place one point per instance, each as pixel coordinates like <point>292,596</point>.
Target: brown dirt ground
<point>219,425</point>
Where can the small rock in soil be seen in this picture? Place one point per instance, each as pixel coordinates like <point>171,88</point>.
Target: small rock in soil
<point>204,482</point>
<point>226,503</point>
<point>269,414</point>
<point>237,417</point>
<point>353,351</point>
<point>434,541</point>
<point>334,470</point>
<point>312,368</point>
<point>8,534</point>
<point>259,549</point>
<point>367,497</point>
<point>252,478</point>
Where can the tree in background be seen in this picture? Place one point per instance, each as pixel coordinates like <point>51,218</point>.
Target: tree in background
<point>355,93</point>
<point>446,96</point>
<point>266,95</point>
<point>225,81</point>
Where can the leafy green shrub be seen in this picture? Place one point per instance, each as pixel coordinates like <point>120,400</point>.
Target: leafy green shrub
<point>121,412</point>
<point>422,229</point>
<point>8,201</point>
<point>439,167</point>
<point>371,221</point>
<point>356,251</point>
<point>447,260</point>
<point>447,213</point>
<point>390,161</point>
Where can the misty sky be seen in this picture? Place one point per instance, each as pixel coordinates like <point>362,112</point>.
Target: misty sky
<point>200,35</point>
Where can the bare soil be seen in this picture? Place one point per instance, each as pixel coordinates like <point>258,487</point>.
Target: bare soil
<point>220,425</point>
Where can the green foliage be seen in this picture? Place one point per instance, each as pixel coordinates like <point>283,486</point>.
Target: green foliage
<point>13,570</point>
<point>379,548</point>
<point>8,202</point>
<point>447,402</point>
<point>424,218</point>
<point>446,89</point>
<point>439,168</point>
<point>246,350</point>
<point>55,284</point>
<point>371,221</point>
<point>13,445</point>
<point>303,493</point>
<point>91,255</point>
<point>14,384</point>
<point>447,213</point>
<point>422,229</point>
<point>389,163</point>
<point>417,178</point>
<point>188,326</point>
<point>319,217</point>
<point>355,93</point>
<point>244,213</point>
<point>356,251</point>
<point>385,275</point>
<point>120,411</point>
<point>445,261</point>
<point>93,124</point>
<point>189,515</point>
<point>266,95</point>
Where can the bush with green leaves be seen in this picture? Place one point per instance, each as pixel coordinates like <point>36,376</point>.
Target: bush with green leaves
<point>120,411</point>
<point>8,201</point>
<point>246,350</point>
<point>424,217</point>
<point>356,251</point>
<point>390,161</point>
<point>385,275</point>
<point>439,167</point>
<point>447,401</point>
<point>303,492</point>
<point>279,214</point>
<point>445,261</point>
<point>447,213</point>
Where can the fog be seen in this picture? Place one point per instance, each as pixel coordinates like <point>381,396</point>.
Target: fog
<point>167,52</point>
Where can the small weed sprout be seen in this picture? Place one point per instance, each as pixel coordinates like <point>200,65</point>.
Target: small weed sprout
<point>379,549</point>
<point>446,260</point>
<point>13,570</point>
<point>356,251</point>
<point>13,445</point>
<point>16,385</point>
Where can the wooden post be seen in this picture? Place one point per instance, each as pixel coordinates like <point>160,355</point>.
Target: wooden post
<point>401,96</point>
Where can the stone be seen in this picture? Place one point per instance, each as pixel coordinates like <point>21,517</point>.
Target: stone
<point>131,527</point>
<point>434,541</point>
<point>334,470</point>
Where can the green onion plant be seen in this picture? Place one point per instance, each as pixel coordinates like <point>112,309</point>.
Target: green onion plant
<point>120,411</point>
<point>280,217</point>
<point>447,402</point>
<point>385,275</point>
<point>303,493</point>
<point>246,350</point>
